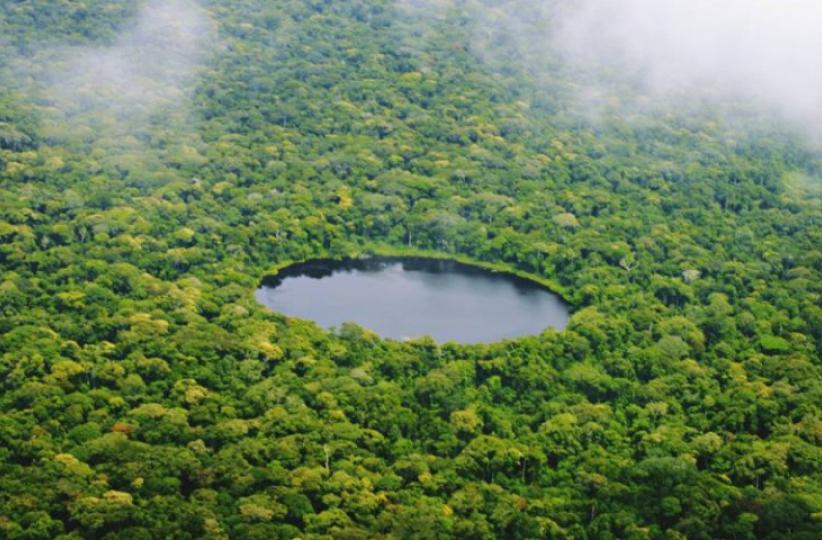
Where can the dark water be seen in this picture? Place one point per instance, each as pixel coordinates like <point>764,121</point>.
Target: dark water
<point>404,298</point>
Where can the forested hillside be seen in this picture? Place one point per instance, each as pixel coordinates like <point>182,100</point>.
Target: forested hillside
<point>145,394</point>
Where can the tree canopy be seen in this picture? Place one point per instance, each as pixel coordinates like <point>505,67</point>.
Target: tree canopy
<point>144,393</point>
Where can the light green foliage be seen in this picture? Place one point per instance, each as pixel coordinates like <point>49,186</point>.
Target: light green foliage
<point>145,394</point>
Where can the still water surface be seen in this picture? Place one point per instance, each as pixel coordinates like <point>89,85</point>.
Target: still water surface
<point>406,297</point>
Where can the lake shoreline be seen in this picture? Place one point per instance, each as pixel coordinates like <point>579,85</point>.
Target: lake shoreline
<point>408,296</point>
<point>386,251</point>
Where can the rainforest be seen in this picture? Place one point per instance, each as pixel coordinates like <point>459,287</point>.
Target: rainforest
<point>159,159</point>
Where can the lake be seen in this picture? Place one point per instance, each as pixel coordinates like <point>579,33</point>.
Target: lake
<point>409,297</point>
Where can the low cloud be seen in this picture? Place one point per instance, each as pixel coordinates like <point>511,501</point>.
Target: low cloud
<point>758,55</point>
<point>150,67</point>
<point>763,51</point>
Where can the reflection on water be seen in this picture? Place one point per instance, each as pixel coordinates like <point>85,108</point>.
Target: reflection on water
<point>410,297</point>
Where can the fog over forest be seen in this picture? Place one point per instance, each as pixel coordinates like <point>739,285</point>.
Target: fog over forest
<point>639,180</point>
<point>151,65</point>
<point>762,54</point>
<point>764,50</point>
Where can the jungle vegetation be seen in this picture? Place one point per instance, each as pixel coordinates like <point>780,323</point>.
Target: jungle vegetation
<point>145,394</point>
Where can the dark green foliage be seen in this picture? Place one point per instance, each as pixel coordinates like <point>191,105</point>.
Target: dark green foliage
<point>145,394</point>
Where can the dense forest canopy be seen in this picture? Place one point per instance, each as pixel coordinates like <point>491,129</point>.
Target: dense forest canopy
<point>158,158</point>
